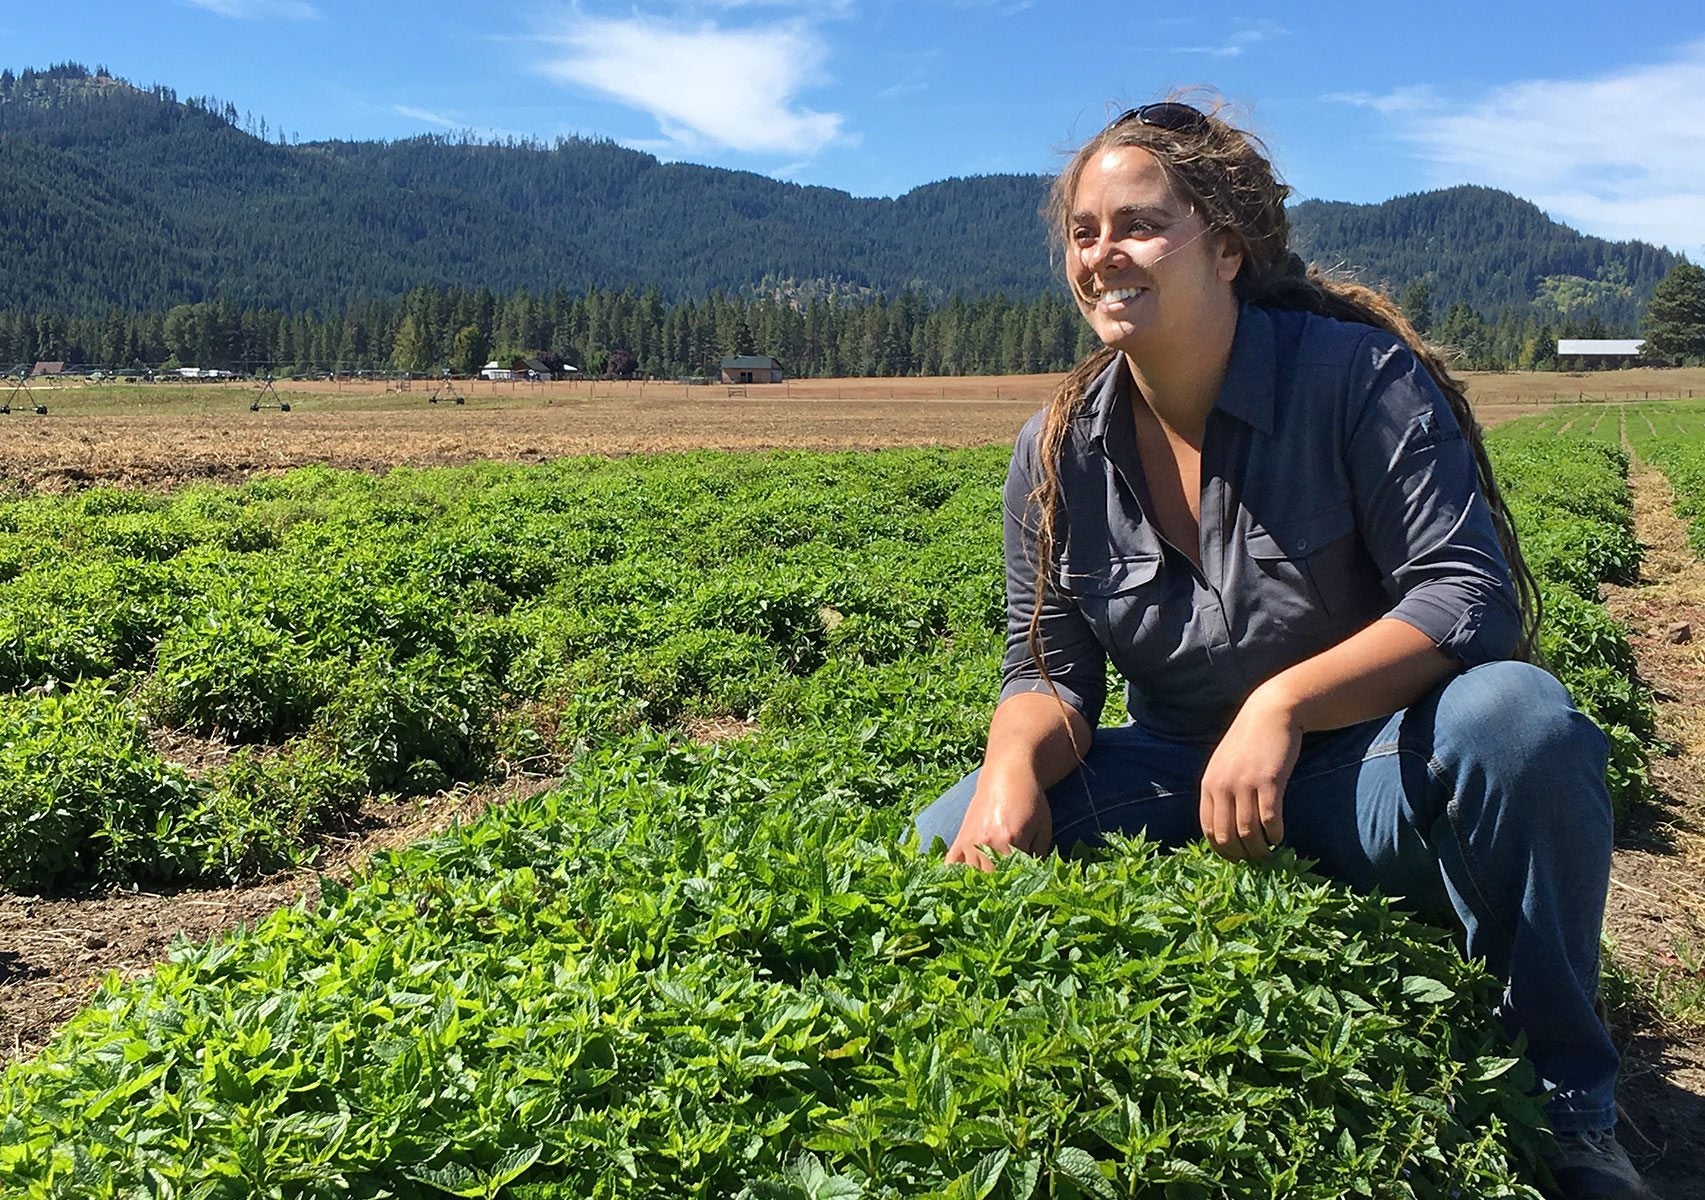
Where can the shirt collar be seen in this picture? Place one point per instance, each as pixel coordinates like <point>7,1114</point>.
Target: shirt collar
<point>1249,392</point>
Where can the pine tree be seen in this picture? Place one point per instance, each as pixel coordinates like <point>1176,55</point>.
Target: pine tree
<point>1675,319</point>
<point>470,350</point>
<point>1417,305</point>
<point>410,353</point>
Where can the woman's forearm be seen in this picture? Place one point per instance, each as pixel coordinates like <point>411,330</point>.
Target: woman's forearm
<point>1373,673</point>
<point>1035,740</point>
<point>1387,666</point>
<point>1035,737</point>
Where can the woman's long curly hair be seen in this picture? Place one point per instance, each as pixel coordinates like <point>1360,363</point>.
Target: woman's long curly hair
<point>1223,173</point>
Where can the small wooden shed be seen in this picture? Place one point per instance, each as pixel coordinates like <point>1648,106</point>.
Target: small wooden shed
<point>743,368</point>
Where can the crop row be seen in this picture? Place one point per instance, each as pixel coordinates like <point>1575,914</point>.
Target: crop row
<point>715,971</point>
<point>364,635</point>
<point>1672,436</point>
<point>1570,500</point>
<point>394,635</point>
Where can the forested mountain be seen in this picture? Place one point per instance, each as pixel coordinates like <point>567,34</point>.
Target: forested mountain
<point>1486,247</point>
<point>114,197</point>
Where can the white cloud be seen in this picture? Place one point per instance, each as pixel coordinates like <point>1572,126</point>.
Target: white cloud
<point>1238,42</point>
<point>430,118</point>
<point>707,87</point>
<point>1402,100</point>
<point>1620,155</point>
<point>897,90</point>
<point>252,10</point>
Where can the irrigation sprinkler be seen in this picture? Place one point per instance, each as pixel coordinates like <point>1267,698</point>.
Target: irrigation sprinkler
<point>23,385</point>
<point>447,392</point>
<point>263,401</point>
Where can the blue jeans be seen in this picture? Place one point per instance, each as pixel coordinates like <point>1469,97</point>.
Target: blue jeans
<point>1485,798</point>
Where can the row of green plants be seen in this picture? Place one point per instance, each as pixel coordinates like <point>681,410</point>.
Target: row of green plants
<point>1672,437</point>
<point>358,635</point>
<point>716,972</point>
<point>1568,492</point>
<point>396,635</point>
<point>704,969</point>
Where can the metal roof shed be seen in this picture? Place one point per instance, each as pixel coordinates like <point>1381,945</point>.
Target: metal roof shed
<point>1610,346</point>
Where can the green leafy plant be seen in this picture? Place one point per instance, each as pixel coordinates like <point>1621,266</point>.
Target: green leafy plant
<point>82,796</point>
<point>636,987</point>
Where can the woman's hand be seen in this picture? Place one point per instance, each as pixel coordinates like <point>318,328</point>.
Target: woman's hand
<point>1034,742</point>
<point>1003,817</point>
<point>1243,788</point>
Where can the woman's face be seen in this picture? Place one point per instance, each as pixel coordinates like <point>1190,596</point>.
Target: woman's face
<point>1150,269</point>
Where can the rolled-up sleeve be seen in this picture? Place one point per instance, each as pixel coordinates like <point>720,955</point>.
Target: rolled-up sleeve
<point>1076,661</point>
<point>1421,511</point>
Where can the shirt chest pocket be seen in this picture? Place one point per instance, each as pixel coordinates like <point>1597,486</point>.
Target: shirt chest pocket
<point>1313,553</point>
<point>1119,597</point>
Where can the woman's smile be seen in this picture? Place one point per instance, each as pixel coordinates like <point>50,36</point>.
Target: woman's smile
<point>1118,299</point>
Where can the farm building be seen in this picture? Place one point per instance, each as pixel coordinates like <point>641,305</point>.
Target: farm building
<point>48,368</point>
<point>525,367</point>
<point>529,368</point>
<point>203,373</point>
<point>750,369</point>
<point>1600,350</point>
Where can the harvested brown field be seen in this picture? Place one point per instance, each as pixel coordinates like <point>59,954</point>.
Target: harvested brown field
<point>162,435</point>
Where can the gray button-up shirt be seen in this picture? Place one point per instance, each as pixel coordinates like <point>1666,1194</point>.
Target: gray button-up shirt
<point>1337,488</point>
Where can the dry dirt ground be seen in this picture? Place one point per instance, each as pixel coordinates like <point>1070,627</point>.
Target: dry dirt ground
<point>1655,918</point>
<point>164,435</point>
<point>54,951</point>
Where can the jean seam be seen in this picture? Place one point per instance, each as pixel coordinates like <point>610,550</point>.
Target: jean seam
<point>1095,810</point>
<point>1453,816</point>
<point>1382,750</point>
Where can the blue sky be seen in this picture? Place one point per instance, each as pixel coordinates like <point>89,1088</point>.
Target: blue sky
<point>1596,114</point>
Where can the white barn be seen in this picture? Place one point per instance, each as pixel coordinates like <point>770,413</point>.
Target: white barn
<point>1614,347</point>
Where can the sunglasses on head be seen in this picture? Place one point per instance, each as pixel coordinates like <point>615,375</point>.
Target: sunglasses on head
<point>1168,115</point>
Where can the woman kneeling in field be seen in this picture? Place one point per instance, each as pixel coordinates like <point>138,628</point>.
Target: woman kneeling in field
<point>1268,503</point>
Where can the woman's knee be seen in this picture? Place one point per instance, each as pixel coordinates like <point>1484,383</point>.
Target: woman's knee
<point>1512,727</point>
<point>945,814</point>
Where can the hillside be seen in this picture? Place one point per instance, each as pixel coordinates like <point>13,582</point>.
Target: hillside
<point>114,196</point>
<point>1486,247</point>
<point>196,208</point>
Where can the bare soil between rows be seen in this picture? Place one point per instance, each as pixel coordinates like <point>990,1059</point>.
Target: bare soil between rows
<point>1657,893</point>
<point>56,950</point>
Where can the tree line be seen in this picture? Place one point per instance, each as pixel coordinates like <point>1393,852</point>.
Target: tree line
<point>601,331</point>
<point>624,332</point>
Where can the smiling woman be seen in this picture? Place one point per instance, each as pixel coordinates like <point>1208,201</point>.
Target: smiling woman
<point>1266,503</point>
